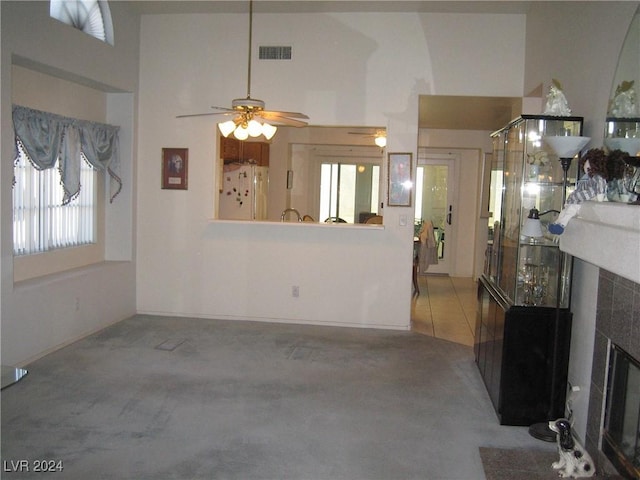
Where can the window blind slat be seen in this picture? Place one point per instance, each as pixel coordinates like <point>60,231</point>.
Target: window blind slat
<point>41,222</point>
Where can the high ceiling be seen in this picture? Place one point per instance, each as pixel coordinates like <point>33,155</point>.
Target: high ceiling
<point>325,6</point>
<point>436,111</point>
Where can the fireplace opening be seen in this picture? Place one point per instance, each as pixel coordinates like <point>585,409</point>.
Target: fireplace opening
<point>620,440</point>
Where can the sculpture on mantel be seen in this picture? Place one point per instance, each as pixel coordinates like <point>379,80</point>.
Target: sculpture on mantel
<point>592,186</point>
<point>557,104</point>
<point>623,104</point>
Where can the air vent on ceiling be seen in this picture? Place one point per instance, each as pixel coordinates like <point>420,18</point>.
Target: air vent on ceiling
<point>274,53</point>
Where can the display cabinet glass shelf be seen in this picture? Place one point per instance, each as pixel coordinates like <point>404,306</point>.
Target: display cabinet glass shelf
<point>623,134</point>
<point>524,322</point>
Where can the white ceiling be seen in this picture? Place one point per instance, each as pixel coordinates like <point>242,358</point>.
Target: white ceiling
<point>325,6</point>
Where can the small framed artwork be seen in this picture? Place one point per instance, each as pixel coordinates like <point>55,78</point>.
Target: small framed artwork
<point>400,179</point>
<point>175,162</point>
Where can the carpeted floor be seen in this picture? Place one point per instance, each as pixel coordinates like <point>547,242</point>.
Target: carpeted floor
<point>160,398</point>
<point>521,464</point>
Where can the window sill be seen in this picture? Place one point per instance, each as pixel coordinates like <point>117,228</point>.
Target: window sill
<point>64,275</point>
<point>42,264</point>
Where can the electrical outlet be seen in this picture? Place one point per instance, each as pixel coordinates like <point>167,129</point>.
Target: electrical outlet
<point>295,291</point>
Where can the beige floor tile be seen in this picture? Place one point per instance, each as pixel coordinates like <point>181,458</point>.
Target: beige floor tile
<point>445,308</point>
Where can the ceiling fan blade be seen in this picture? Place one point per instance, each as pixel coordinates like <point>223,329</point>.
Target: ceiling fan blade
<point>286,114</point>
<point>206,114</point>
<point>362,133</point>
<point>271,116</point>
<point>225,109</point>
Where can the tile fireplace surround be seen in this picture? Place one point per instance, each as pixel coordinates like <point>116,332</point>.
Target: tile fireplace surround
<point>608,236</point>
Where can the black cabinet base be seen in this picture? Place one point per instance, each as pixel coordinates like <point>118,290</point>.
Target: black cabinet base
<point>523,355</point>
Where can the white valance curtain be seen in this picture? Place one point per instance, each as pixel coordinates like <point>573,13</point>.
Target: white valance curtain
<point>46,137</point>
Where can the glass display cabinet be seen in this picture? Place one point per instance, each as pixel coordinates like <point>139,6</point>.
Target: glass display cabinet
<point>524,323</point>
<point>622,134</point>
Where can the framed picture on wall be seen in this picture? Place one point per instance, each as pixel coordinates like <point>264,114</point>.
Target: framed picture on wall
<point>175,162</point>
<point>400,179</point>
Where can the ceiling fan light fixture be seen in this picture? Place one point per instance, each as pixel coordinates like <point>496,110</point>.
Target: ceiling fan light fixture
<point>226,128</point>
<point>381,141</point>
<point>247,104</point>
<point>268,130</point>
<point>247,108</point>
<point>254,128</point>
<point>241,133</point>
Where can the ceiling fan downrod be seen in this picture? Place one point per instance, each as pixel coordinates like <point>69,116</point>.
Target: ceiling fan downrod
<point>250,42</point>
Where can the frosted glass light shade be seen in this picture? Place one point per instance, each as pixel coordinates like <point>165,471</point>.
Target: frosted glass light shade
<point>566,147</point>
<point>227,127</point>
<point>241,133</point>
<point>254,128</point>
<point>268,130</point>
<point>532,228</point>
<point>381,141</point>
<point>629,145</point>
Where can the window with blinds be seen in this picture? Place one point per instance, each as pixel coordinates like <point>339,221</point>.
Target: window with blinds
<point>40,221</point>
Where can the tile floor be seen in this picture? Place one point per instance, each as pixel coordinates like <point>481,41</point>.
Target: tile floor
<point>445,308</point>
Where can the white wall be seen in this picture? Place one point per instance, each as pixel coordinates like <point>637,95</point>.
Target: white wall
<point>43,314</point>
<point>579,45</point>
<point>347,69</point>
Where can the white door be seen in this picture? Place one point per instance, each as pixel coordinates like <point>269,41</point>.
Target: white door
<point>435,203</point>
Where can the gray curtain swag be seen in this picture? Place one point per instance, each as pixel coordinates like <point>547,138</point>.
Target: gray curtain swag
<point>44,137</point>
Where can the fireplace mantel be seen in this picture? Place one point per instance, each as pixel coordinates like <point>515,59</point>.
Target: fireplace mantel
<point>606,234</point>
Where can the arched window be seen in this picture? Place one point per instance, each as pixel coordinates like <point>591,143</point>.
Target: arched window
<point>90,16</point>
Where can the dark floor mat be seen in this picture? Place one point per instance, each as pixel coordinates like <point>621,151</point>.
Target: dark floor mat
<point>518,464</point>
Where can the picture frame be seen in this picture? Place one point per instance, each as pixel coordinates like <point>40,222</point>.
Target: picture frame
<point>400,179</point>
<point>175,163</point>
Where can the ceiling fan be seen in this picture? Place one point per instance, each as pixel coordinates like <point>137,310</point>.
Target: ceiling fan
<point>379,137</point>
<point>249,115</point>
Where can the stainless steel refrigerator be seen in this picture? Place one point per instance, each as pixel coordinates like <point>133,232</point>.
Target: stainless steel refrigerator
<point>244,192</point>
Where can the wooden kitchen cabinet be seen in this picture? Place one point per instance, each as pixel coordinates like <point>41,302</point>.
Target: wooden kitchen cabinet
<point>234,150</point>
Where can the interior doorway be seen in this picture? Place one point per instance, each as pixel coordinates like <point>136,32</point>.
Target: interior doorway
<point>436,208</point>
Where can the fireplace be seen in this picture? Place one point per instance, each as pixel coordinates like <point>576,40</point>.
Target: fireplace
<point>620,435</point>
<point>616,353</point>
<point>605,235</point>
